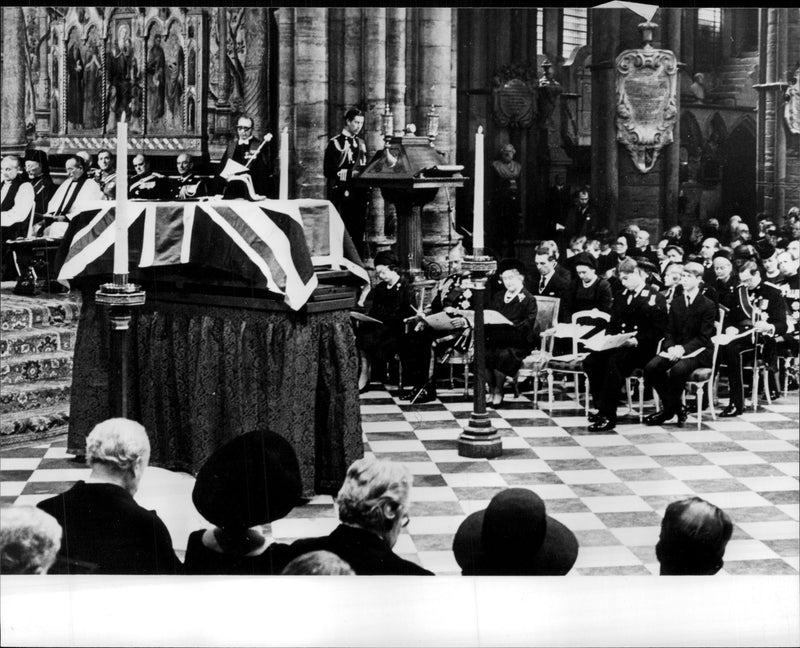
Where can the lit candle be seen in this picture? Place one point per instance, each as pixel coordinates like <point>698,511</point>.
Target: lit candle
<point>477,207</point>
<point>283,192</point>
<point>121,220</point>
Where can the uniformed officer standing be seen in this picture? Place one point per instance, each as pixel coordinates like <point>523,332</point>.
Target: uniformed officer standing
<point>345,158</point>
<point>759,306</point>
<point>687,345</point>
<point>637,308</point>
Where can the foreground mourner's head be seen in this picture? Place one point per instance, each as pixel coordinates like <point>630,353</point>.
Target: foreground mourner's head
<point>253,479</point>
<point>318,563</point>
<point>374,497</point>
<point>694,534</point>
<point>118,450</point>
<point>514,536</point>
<point>29,540</point>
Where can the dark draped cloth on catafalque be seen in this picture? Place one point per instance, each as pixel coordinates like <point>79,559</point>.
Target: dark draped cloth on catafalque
<point>200,375</point>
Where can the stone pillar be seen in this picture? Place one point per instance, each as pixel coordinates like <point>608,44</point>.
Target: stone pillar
<point>434,88</point>
<point>310,99</point>
<point>12,129</point>
<point>256,68</point>
<point>222,115</point>
<point>286,119</point>
<point>337,35</point>
<point>604,151</point>
<point>771,133</point>
<point>353,73</point>
<point>396,64</point>
<point>43,83</point>
<point>671,40</point>
<point>374,83</point>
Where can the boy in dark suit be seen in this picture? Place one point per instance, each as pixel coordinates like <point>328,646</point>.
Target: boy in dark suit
<point>686,347</point>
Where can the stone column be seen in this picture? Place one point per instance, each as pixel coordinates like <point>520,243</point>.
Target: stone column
<point>12,129</point>
<point>285,17</point>
<point>310,99</point>
<point>605,182</point>
<point>771,133</point>
<point>353,73</point>
<point>256,68</point>
<point>434,83</point>
<point>374,83</point>
<point>396,64</point>
<point>43,84</point>
<point>671,40</point>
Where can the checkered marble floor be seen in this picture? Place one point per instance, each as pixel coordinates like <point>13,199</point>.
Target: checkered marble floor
<point>611,489</point>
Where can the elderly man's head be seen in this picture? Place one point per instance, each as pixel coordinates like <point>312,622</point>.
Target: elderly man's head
<point>75,167</point>
<point>694,534</point>
<point>118,451</point>
<point>140,164</point>
<point>29,540</point>
<point>374,497</point>
<point>787,263</point>
<point>709,247</point>
<point>10,167</point>
<point>184,163</point>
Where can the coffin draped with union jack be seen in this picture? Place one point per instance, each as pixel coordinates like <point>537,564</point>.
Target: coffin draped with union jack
<point>275,244</point>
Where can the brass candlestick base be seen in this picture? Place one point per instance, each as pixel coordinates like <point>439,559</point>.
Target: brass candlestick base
<point>479,439</point>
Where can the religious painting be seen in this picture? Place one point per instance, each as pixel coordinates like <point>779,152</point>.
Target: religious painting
<point>121,73</point>
<point>75,80</point>
<point>55,85</point>
<point>175,80</point>
<point>646,88</point>
<point>92,82</point>
<point>155,80</point>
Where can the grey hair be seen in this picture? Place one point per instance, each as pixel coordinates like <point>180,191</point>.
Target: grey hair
<point>369,484</point>
<point>29,540</point>
<point>118,444</point>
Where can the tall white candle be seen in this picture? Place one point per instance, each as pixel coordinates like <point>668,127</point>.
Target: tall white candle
<point>121,221</point>
<point>477,207</point>
<point>283,190</point>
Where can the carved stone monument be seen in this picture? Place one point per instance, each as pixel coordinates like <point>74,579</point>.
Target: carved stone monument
<point>646,85</point>
<point>792,108</point>
<point>514,96</point>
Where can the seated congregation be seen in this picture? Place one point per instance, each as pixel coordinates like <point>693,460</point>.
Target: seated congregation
<point>96,527</point>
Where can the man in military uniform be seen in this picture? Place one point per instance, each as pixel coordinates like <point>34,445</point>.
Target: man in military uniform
<point>345,158</point>
<point>39,176</point>
<point>254,153</point>
<point>637,308</point>
<point>187,186</point>
<point>759,306</point>
<point>146,184</point>
<point>687,345</point>
<point>452,296</point>
<point>106,175</point>
<point>790,343</point>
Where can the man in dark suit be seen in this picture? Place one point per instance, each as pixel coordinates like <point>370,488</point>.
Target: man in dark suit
<point>760,306</point>
<point>548,282</point>
<point>643,248</point>
<point>687,346</point>
<point>39,174</point>
<point>105,530</point>
<point>725,283</point>
<point>255,154</point>
<point>636,308</point>
<point>559,201</point>
<point>708,249</point>
<point>582,219</point>
<point>345,158</point>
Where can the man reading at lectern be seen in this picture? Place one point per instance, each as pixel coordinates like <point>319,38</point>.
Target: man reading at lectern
<point>345,158</point>
<point>256,178</point>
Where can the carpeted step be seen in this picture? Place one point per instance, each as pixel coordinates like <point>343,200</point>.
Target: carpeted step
<point>36,367</point>
<point>37,341</point>
<point>30,396</point>
<point>22,312</point>
<point>40,423</point>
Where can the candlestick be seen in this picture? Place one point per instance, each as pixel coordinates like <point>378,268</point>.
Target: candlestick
<point>121,220</point>
<point>477,208</point>
<point>283,191</point>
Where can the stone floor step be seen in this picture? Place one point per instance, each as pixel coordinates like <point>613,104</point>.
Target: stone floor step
<point>26,397</point>
<point>39,423</point>
<point>38,341</point>
<point>36,367</point>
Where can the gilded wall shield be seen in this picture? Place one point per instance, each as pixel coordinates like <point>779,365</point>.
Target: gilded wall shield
<point>646,84</point>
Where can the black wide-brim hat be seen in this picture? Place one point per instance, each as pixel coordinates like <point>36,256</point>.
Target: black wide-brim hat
<point>514,536</point>
<point>252,480</point>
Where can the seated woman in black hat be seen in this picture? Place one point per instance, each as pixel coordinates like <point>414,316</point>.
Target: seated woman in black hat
<point>392,303</point>
<point>251,481</point>
<point>514,536</point>
<point>507,345</point>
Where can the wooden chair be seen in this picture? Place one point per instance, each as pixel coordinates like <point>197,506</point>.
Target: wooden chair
<point>703,379</point>
<point>572,364</point>
<point>546,317</point>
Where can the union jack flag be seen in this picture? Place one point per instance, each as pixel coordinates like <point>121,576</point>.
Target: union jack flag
<point>273,243</point>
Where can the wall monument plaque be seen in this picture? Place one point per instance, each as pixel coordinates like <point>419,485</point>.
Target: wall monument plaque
<point>792,108</point>
<point>646,83</point>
